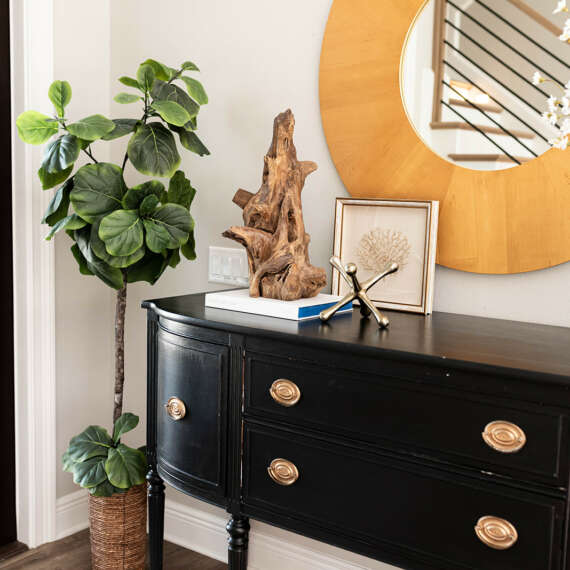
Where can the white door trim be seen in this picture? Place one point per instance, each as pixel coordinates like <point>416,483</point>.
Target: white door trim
<point>32,51</point>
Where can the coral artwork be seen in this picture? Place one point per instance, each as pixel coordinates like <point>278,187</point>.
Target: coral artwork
<point>379,247</point>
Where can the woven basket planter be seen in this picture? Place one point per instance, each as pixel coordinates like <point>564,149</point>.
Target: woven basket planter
<point>118,530</point>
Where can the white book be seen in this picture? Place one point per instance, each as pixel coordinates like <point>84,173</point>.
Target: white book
<point>300,310</point>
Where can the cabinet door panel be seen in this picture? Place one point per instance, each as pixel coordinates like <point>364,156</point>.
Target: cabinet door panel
<point>190,449</point>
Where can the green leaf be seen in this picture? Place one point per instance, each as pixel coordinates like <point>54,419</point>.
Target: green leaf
<point>129,82</point>
<point>148,269</point>
<point>195,90</point>
<point>91,128</point>
<point>125,467</point>
<point>161,71</point>
<point>90,473</point>
<point>36,128</point>
<point>180,191</point>
<point>189,248</point>
<point>68,464</point>
<point>124,424</point>
<point>72,222</point>
<point>83,269</point>
<point>145,77</point>
<point>111,276</point>
<point>125,98</point>
<point>122,127</point>
<point>189,66</point>
<point>98,190</point>
<point>171,112</point>
<point>94,441</point>
<point>105,489</point>
<point>99,249</point>
<point>174,258</point>
<point>167,228</point>
<point>162,91</point>
<point>60,95</point>
<point>191,142</point>
<point>148,205</point>
<point>152,150</point>
<point>50,180</point>
<point>59,204</point>
<point>134,196</point>
<point>122,232</point>
<point>61,154</point>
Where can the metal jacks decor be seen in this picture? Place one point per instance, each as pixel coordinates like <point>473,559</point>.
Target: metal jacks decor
<point>358,291</point>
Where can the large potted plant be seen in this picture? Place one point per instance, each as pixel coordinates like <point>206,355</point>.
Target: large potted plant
<point>121,235</point>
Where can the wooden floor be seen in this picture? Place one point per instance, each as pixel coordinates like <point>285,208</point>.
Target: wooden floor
<point>72,553</point>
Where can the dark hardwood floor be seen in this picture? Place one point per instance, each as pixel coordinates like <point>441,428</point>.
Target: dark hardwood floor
<point>72,553</point>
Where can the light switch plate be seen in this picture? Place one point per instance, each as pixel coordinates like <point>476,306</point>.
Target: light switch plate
<point>228,265</point>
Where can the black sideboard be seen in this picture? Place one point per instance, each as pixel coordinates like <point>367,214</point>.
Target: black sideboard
<point>440,443</point>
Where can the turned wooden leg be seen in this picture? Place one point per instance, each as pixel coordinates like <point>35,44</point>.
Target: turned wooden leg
<point>238,530</point>
<point>156,518</point>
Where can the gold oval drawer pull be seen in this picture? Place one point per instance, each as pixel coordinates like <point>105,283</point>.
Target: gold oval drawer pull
<point>283,472</point>
<point>504,437</point>
<point>175,408</point>
<point>496,533</point>
<point>285,392</point>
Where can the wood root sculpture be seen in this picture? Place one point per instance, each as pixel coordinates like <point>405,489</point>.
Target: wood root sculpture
<point>274,232</point>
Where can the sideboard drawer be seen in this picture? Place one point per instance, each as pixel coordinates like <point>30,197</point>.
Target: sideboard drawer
<point>427,510</point>
<point>394,412</point>
<point>191,420</point>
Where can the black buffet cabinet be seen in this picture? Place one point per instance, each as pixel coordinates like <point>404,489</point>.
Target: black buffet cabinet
<point>440,443</point>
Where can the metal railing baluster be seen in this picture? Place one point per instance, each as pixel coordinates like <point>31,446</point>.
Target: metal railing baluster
<point>501,40</point>
<point>481,132</point>
<point>502,84</point>
<point>505,21</point>
<point>491,54</point>
<point>502,105</point>
<point>506,131</point>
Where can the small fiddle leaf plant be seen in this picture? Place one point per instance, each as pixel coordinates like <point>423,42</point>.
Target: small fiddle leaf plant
<point>120,233</point>
<point>101,463</point>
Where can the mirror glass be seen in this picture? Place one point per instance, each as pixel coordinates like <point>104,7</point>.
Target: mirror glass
<point>467,79</point>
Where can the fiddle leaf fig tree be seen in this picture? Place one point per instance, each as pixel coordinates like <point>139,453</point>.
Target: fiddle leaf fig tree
<point>120,233</point>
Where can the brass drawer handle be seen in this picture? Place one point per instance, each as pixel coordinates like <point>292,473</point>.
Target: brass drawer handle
<point>285,392</point>
<point>496,533</point>
<point>283,472</point>
<point>504,437</point>
<point>175,408</point>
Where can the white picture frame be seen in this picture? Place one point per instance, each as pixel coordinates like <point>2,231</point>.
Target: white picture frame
<point>374,233</point>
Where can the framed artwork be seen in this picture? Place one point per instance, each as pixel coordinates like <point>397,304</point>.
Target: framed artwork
<point>375,233</point>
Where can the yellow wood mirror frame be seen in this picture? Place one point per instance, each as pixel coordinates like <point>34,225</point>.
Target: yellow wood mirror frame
<point>506,221</point>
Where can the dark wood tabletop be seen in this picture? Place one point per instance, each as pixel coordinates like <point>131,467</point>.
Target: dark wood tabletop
<point>537,349</point>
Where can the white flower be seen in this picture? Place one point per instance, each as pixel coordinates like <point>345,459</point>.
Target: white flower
<point>550,117</point>
<point>537,79</point>
<point>565,128</point>
<point>553,104</point>
<point>560,143</point>
<point>565,104</point>
<point>565,37</point>
<point>561,7</point>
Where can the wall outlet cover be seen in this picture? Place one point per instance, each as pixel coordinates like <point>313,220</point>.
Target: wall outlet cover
<point>228,265</point>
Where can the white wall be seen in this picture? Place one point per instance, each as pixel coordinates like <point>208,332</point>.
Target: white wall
<point>258,58</point>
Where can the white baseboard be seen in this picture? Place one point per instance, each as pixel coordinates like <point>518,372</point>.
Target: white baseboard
<point>71,514</point>
<point>204,531</point>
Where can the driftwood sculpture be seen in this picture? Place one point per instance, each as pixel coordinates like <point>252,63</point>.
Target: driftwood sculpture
<point>274,233</point>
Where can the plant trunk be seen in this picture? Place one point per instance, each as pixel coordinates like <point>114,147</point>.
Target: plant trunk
<point>120,310</point>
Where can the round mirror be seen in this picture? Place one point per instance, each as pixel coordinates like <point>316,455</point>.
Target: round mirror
<point>467,79</point>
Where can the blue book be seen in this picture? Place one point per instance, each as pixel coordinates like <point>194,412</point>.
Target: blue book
<point>300,310</point>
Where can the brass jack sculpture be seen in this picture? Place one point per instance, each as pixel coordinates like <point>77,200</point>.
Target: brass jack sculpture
<point>358,291</point>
